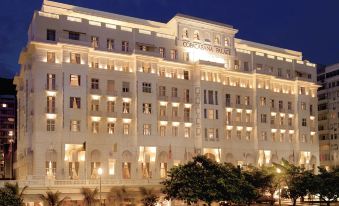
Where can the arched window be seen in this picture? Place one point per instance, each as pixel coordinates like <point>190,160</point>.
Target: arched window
<point>196,36</point>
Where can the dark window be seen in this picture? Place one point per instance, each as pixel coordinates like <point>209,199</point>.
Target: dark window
<point>74,35</point>
<point>50,35</point>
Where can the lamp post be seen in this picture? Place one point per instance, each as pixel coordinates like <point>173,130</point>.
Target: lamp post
<point>279,190</point>
<point>100,173</point>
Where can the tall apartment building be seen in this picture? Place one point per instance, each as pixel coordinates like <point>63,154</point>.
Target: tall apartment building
<point>7,134</point>
<point>328,116</point>
<point>136,97</point>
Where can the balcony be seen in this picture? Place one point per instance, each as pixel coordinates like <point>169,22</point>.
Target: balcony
<point>175,99</point>
<point>50,110</point>
<point>95,113</point>
<point>126,115</point>
<point>111,93</point>
<point>82,40</point>
<point>95,91</point>
<point>188,119</point>
<point>51,87</point>
<point>163,118</point>
<point>175,119</point>
<point>162,98</point>
<point>126,94</point>
<point>187,100</point>
<point>111,114</point>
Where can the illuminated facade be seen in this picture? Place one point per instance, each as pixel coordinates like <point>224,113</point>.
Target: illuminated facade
<point>135,97</point>
<point>328,115</point>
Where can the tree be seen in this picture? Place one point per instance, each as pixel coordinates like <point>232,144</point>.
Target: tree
<point>148,198</point>
<point>10,194</point>
<point>326,185</point>
<point>89,195</point>
<point>260,181</point>
<point>202,180</point>
<point>296,179</point>
<point>53,198</point>
<point>7,198</point>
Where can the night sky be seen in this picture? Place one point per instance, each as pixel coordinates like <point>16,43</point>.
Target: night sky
<point>310,26</point>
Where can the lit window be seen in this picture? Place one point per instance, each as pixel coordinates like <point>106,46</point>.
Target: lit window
<point>75,80</point>
<point>124,46</point>
<point>163,170</point>
<point>95,41</point>
<point>173,54</point>
<point>74,102</point>
<point>125,107</point>
<point>110,44</point>
<point>51,57</point>
<point>94,83</point>
<point>111,166</point>
<point>162,131</point>
<point>110,128</point>
<point>4,105</point>
<point>175,131</point>
<point>75,126</point>
<point>162,52</point>
<point>75,58</point>
<point>95,127</point>
<point>147,108</point>
<point>125,129</point>
<point>187,132</point>
<point>147,130</point>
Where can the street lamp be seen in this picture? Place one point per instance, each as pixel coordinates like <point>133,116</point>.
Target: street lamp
<point>100,173</point>
<point>279,190</point>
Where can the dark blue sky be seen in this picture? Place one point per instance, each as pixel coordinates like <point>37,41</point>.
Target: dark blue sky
<point>310,26</point>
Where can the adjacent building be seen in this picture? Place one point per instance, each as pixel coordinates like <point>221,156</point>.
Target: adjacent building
<point>328,116</point>
<point>136,97</point>
<point>7,128</point>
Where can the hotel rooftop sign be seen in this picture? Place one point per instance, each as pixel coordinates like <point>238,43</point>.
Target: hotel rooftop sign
<point>205,47</point>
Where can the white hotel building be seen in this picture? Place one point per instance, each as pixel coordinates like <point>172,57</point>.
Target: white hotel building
<point>136,97</point>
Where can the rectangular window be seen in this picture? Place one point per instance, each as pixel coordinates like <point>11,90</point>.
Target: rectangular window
<point>74,80</point>
<point>238,135</point>
<point>263,118</point>
<point>228,100</point>
<point>126,170</point>
<point>289,105</point>
<point>186,56</point>
<point>289,121</point>
<point>110,86</point>
<point>50,35</point>
<point>281,105</point>
<point>50,125</point>
<point>124,46</point>
<point>175,130</point>
<point>94,83</point>
<point>75,126</point>
<point>246,67</point>
<point>210,97</point>
<point>125,87</point>
<point>125,107</point>
<point>162,131</point>
<point>50,104</point>
<point>237,99</point>
<point>187,112</point>
<point>163,170</point>
<point>162,111</point>
<point>73,35</point>
<point>50,82</point>
<point>247,100</point>
<point>146,87</point>
<point>110,128</point>
<point>303,105</point>
<point>95,42</point>
<point>147,108</point>
<point>248,135</point>
<point>228,134</point>
<point>162,52</point>
<point>74,102</point>
<point>174,112</point>
<point>186,75</point>
<point>173,54</point>
<point>110,44</point>
<point>304,122</point>
<point>51,57</point>
<point>174,92</point>
<point>95,105</point>
<point>111,166</point>
<point>162,91</point>
<point>279,72</point>
<point>186,95</point>
<point>125,129</point>
<point>210,114</point>
<point>75,58</point>
<point>95,127</point>
<point>110,106</point>
<point>264,136</point>
<point>187,132</point>
<point>147,130</point>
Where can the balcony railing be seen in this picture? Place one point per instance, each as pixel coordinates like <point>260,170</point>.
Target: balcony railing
<point>163,118</point>
<point>95,91</point>
<point>95,113</point>
<point>126,94</point>
<point>162,98</point>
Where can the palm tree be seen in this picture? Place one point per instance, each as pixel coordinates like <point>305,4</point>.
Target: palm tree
<point>117,194</point>
<point>14,189</point>
<point>89,195</point>
<point>53,199</point>
<point>148,197</point>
